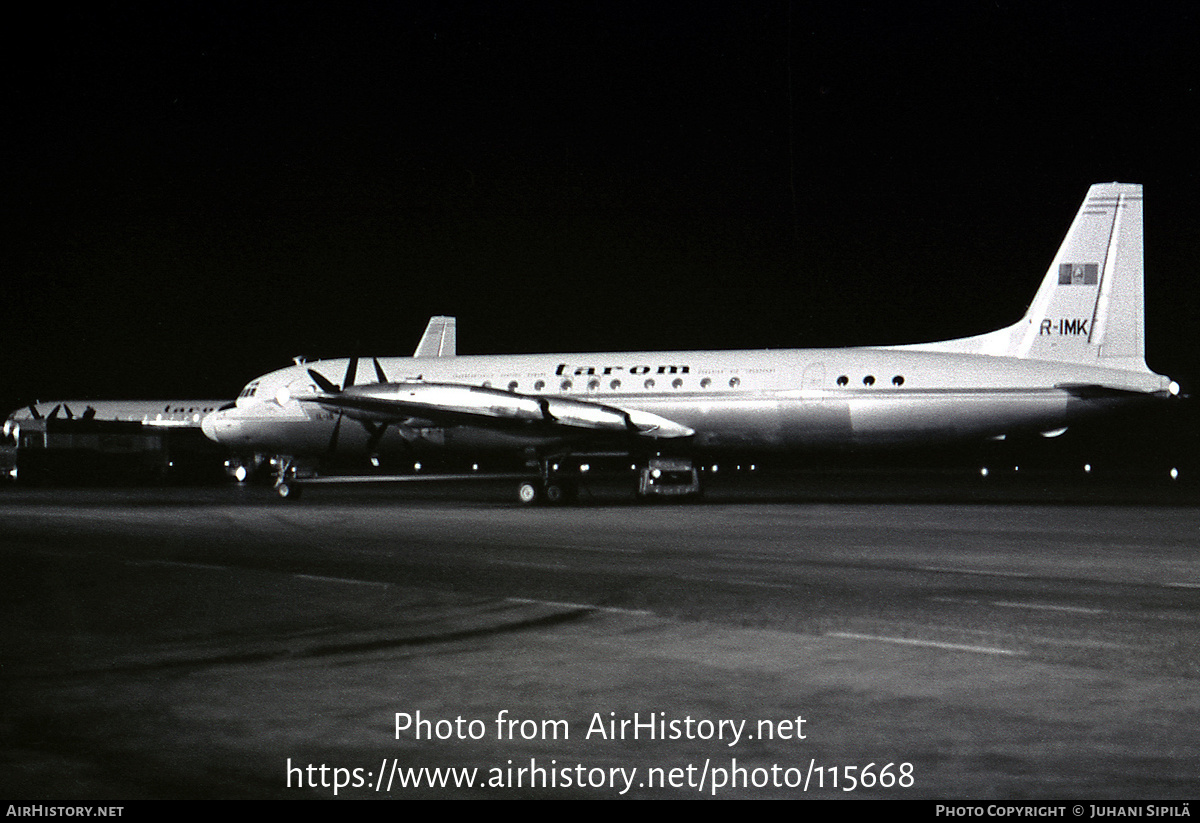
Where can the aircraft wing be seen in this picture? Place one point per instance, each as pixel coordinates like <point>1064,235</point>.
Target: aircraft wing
<point>456,404</point>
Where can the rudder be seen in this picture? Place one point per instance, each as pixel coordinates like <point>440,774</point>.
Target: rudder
<point>1089,308</point>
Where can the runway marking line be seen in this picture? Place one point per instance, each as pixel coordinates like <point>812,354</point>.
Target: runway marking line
<point>590,606</point>
<point>180,564</point>
<point>760,584</point>
<point>324,579</point>
<point>934,644</point>
<point>597,549</point>
<point>1048,607</point>
<point>520,564</point>
<point>950,570</point>
<point>1008,604</point>
<point>755,583</point>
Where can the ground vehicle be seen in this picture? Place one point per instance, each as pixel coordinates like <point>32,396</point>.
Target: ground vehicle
<point>668,477</point>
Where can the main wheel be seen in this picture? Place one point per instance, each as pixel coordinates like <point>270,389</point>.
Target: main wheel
<point>529,492</point>
<point>562,493</point>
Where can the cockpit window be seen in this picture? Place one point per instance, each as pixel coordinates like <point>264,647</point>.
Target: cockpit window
<point>250,389</point>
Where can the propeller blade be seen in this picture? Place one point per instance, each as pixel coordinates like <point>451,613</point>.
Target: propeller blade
<point>376,430</point>
<point>351,373</point>
<point>67,409</point>
<point>33,410</point>
<point>379,371</point>
<point>323,382</point>
<point>333,440</point>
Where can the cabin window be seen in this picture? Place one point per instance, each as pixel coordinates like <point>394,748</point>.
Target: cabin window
<point>593,384</point>
<point>734,382</point>
<point>677,383</point>
<point>539,385</point>
<point>869,380</point>
<point>843,380</point>
<point>706,382</point>
<point>512,385</point>
<point>614,385</point>
<point>898,380</point>
<point>649,383</point>
<point>566,385</point>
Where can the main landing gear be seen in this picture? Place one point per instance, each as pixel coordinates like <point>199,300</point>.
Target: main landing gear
<point>558,484</point>
<point>552,492</point>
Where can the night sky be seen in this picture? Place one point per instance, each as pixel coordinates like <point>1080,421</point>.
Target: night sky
<point>197,192</point>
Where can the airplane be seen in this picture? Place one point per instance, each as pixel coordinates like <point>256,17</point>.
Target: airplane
<point>68,438</point>
<point>1077,353</point>
<point>123,427</point>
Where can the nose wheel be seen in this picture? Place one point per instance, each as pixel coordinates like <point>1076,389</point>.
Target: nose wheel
<point>288,490</point>
<point>287,487</point>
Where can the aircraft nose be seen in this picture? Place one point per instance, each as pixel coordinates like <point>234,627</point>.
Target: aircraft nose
<point>211,426</point>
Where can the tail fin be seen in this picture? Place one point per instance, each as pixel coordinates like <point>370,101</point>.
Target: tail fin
<point>1089,308</point>
<point>439,338</point>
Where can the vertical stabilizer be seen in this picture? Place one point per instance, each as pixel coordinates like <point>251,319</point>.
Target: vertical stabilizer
<point>1089,308</point>
<point>439,338</point>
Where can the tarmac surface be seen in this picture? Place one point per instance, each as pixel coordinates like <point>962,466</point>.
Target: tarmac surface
<point>912,640</point>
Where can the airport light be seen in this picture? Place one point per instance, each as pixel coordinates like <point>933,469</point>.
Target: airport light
<point>983,472</point>
<point>1174,473</point>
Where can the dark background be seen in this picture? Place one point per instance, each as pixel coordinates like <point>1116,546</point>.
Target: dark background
<point>197,192</point>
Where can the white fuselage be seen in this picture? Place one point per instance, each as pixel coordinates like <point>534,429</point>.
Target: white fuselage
<point>787,399</point>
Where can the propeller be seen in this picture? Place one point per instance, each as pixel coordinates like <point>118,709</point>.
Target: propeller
<point>375,431</point>
<point>327,386</point>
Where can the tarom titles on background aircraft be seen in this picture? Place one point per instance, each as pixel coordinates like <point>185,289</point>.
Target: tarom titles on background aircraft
<point>1078,352</point>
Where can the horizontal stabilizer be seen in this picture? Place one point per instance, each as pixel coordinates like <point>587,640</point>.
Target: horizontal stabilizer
<point>1094,391</point>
